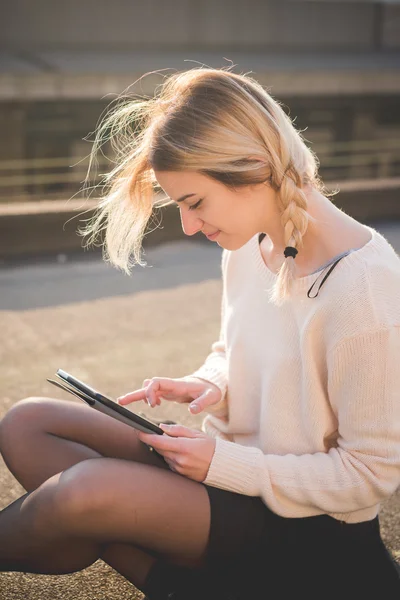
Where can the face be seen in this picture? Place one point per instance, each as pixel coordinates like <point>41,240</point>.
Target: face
<point>234,215</point>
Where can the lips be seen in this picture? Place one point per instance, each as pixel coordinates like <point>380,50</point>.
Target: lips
<point>213,235</point>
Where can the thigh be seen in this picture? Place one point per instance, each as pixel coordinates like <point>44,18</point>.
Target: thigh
<point>113,500</point>
<point>371,566</point>
<point>79,423</point>
<point>75,423</point>
<point>246,545</point>
<point>351,556</point>
<point>241,527</point>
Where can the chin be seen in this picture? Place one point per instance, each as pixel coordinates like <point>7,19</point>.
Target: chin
<point>233,242</point>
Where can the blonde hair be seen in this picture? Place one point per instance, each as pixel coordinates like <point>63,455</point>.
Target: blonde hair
<point>218,123</point>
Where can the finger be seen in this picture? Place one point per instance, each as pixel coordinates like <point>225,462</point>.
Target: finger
<point>202,402</point>
<point>132,397</point>
<point>171,388</point>
<point>180,431</point>
<point>161,443</point>
<point>169,456</point>
<point>146,384</point>
<point>156,388</point>
<point>160,398</point>
<point>142,394</point>
<point>171,464</point>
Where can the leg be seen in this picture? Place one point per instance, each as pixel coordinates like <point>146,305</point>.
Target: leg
<point>40,437</point>
<point>103,501</point>
<point>58,434</point>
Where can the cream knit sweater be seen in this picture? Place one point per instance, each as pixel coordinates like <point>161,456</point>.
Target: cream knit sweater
<point>309,419</point>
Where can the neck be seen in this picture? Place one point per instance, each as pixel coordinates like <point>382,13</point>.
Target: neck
<point>321,240</point>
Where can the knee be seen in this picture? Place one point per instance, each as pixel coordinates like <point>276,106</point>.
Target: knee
<point>61,502</point>
<point>29,410</point>
<point>78,494</point>
<point>22,412</point>
<point>25,416</point>
<point>64,501</point>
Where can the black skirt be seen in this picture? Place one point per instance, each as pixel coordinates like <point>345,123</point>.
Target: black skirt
<point>254,553</point>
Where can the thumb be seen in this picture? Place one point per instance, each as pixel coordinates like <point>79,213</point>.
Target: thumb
<point>202,402</point>
<point>146,382</point>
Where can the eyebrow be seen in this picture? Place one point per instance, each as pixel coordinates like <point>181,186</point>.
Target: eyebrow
<point>182,198</point>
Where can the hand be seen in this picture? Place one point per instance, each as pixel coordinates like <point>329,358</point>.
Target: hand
<point>186,451</point>
<point>184,389</point>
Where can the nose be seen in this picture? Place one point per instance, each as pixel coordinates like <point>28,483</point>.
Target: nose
<point>191,224</point>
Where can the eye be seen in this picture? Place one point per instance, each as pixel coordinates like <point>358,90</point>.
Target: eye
<point>194,206</point>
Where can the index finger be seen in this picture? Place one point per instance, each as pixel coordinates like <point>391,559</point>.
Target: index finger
<point>132,396</point>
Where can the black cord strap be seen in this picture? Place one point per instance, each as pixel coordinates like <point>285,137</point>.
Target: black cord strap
<point>324,279</point>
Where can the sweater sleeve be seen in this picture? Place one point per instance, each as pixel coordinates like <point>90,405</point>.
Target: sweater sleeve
<point>363,468</point>
<point>214,368</point>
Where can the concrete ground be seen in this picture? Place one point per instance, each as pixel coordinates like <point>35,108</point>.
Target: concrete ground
<point>113,331</point>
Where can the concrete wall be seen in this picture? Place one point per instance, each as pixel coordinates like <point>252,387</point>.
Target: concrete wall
<point>206,23</point>
<point>51,231</point>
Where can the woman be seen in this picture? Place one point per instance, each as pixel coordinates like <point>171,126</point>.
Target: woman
<point>301,438</point>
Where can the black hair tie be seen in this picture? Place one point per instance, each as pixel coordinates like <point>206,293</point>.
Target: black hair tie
<point>290,251</point>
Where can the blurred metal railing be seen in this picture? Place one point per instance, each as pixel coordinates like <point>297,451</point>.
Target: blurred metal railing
<point>63,178</point>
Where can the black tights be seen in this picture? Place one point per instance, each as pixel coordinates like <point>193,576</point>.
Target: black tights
<point>94,491</point>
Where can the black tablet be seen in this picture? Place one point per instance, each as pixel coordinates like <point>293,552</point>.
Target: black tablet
<point>100,402</point>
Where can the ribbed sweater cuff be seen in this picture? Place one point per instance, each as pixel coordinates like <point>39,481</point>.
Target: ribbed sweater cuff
<point>235,468</point>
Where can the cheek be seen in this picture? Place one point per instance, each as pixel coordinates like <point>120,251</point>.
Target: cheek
<point>227,216</point>
<point>238,219</point>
